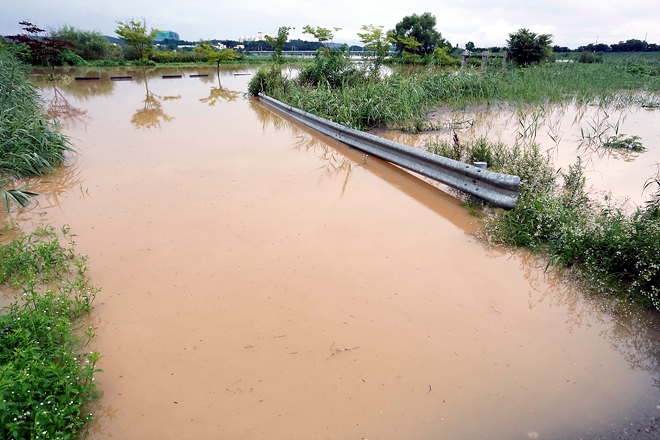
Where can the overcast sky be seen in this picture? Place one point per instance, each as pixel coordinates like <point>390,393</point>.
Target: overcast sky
<point>484,22</point>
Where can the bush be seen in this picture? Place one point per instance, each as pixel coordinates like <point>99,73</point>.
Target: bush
<point>89,45</point>
<point>332,67</point>
<point>527,47</point>
<point>268,80</point>
<point>590,57</point>
<point>69,58</point>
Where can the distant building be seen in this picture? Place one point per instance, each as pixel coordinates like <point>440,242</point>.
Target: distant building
<point>259,37</point>
<point>166,35</point>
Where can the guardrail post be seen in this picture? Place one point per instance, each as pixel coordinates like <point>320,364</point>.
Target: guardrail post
<point>484,59</point>
<point>504,66</point>
<point>465,55</point>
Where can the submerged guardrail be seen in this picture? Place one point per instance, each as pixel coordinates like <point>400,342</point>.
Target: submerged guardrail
<point>501,190</point>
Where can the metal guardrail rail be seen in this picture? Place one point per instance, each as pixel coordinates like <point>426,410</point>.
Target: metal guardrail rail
<point>501,190</point>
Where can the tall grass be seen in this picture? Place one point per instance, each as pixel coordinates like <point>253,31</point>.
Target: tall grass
<point>29,144</point>
<point>403,99</point>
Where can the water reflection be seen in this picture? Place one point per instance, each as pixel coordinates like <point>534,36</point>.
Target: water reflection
<point>59,108</point>
<point>632,332</point>
<point>51,187</point>
<point>151,114</point>
<point>335,165</point>
<point>220,93</point>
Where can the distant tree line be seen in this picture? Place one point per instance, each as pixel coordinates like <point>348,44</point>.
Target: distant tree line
<point>631,45</point>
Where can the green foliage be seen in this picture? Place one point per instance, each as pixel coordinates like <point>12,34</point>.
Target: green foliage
<point>323,35</point>
<point>69,58</point>
<point>376,47</point>
<point>278,42</point>
<point>526,47</point>
<point>216,55</point>
<point>643,68</point>
<point>88,45</point>
<point>331,67</point>
<point>441,57</point>
<point>403,99</point>
<point>623,142</point>
<point>419,29</point>
<point>269,81</point>
<point>134,33</point>
<point>45,378</point>
<point>29,143</point>
<point>589,57</point>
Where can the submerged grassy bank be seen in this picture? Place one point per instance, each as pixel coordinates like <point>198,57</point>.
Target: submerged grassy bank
<point>46,378</point>
<point>611,251</point>
<point>403,99</point>
<point>29,143</point>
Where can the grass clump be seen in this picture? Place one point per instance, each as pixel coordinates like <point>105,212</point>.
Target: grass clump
<point>29,143</point>
<point>611,251</point>
<point>46,380</point>
<point>623,142</point>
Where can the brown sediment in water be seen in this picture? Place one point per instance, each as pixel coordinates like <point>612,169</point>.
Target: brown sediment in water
<point>261,281</point>
<point>566,131</point>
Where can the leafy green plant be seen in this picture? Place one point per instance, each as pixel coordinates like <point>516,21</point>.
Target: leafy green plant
<point>526,47</point>
<point>623,142</point>
<point>46,377</point>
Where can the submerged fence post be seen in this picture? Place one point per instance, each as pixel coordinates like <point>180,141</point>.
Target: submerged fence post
<point>484,59</point>
<point>504,66</point>
<point>465,55</point>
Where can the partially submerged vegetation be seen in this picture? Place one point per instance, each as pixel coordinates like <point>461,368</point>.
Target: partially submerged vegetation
<point>611,250</point>
<point>46,378</point>
<point>29,143</point>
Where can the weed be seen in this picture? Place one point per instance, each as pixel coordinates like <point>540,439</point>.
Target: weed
<point>623,142</point>
<point>45,377</point>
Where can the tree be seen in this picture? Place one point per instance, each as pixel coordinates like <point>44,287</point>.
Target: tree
<point>406,46</point>
<point>43,50</point>
<point>376,45</point>
<point>323,35</point>
<point>469,46</point>
<point>89,45</point>
<point>278,42</point>
<point>527,47</point>
<point>214,54</point>
<point>134,33</point>
<point>421,28</point>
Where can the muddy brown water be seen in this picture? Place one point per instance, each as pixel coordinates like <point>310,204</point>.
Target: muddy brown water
<point>566,131</point>
<point>260,281</point>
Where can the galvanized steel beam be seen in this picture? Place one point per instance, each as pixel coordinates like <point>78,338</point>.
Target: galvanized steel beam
<point>501,190</point>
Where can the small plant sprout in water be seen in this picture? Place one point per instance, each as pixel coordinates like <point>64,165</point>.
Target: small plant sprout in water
<point>623,142</point>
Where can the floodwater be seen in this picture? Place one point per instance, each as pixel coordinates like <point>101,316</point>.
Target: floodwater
<point>566,131</point>
<point>260,281</point>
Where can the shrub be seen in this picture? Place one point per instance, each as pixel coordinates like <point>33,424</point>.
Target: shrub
<point>332,67</point>
<point>527,47</point>
<point>589,57</point>
<point>268,80</point>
